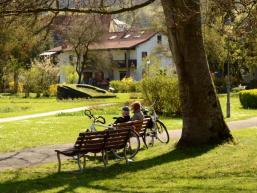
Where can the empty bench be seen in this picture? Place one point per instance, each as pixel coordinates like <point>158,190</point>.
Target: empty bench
<point>96,142</point>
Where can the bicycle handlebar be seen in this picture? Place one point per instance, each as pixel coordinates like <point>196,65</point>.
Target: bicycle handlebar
<point>88,113</point>
<point>98,119</point>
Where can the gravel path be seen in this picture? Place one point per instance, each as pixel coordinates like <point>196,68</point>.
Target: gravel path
<point>45,154</point>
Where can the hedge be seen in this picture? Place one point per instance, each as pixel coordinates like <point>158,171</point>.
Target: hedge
<point>248,98</point>
<point>125,85</point>
<point>163,90</point>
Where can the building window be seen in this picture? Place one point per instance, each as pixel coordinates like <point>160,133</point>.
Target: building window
<point>144,55</point>
<point>122,74</point>
<point>71,58</point>
<point>159,39</point>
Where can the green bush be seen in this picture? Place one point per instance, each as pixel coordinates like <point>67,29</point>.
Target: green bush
<point>164,90</point>
<point>39,78</point>
<point>125,85</point>
<point>248,98</point>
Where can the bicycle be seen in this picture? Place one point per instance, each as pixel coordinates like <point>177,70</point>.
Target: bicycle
<point>133,145</point>
<point>156,130</point>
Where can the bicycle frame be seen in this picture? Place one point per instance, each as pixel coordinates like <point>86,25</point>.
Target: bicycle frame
<point>92,127</point>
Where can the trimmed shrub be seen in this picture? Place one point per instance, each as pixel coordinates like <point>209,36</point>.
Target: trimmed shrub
<point>164,90</point>
<point>248,98</point>
<point>125,85</point>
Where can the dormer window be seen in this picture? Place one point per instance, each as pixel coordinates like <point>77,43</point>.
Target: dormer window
<point>112,37</point>
<point>137,36</point>
<point>127,36</point>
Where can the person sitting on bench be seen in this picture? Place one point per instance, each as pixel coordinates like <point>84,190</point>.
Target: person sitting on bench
<point>125,117</point>
<point>136,109</point>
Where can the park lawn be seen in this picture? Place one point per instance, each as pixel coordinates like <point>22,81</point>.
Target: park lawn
<point>64,128</point>
<point>59,129</point>
<point>237,111</point>
<point>225,168</point>
<point>14,106</point>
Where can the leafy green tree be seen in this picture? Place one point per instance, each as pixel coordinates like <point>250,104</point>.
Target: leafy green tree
<point>18,47</point>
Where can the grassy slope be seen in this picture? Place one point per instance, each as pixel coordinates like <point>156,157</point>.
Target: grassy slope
<point>226,168</point>
<point>91,92</point>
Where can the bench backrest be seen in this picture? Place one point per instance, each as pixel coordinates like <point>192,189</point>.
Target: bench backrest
<point>139,126</point>
<point>93,142</point>
<point>117,139</point>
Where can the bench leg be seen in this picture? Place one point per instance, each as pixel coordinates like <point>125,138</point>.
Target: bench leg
<point>59,162</point>
<point>125,155</point>
<point>104,158</point>
<point>84,161</point>
<point>78,161</point>
<point>143,137</point>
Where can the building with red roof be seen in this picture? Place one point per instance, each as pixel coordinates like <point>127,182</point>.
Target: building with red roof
<point>129,52</point>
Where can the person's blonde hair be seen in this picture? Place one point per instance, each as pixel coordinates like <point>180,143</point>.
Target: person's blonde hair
<point>136,106</point>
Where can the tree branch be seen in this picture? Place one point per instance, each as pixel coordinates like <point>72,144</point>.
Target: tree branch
<point>28,11</point>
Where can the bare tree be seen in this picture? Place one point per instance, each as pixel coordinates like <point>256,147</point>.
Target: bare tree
<point>80,33</point>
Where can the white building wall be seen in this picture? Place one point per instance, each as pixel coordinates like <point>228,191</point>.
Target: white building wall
<point>148,47</point>
<point>64,60</point>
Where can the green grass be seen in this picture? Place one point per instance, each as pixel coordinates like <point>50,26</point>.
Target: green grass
<point>59,129</point>
<point>225,168</point>
<point>237,111</point>
<point>65,128</point>
<point>15,106</point>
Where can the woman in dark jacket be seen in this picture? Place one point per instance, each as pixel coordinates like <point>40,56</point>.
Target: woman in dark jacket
<point>125,116</point>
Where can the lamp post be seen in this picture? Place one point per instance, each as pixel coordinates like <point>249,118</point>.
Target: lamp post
<point>228,22</point>
<point>228,80</point>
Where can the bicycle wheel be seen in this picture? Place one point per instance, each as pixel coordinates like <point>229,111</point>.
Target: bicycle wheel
<point>162,132</point>
<point>132,147</point>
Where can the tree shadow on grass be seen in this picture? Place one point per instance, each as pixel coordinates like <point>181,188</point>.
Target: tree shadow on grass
<point>68,182</point>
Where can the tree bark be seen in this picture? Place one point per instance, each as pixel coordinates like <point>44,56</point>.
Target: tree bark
<point>15,80</point>
<point>203,121</point>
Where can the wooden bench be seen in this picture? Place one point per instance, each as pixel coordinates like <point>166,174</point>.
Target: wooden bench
<point>139,126</point>
<point>96,142</point>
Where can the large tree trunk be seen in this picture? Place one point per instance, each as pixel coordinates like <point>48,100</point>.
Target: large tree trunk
<point>203,121</point>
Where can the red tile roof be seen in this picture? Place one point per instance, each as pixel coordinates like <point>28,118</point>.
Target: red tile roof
<point>116,40</point>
